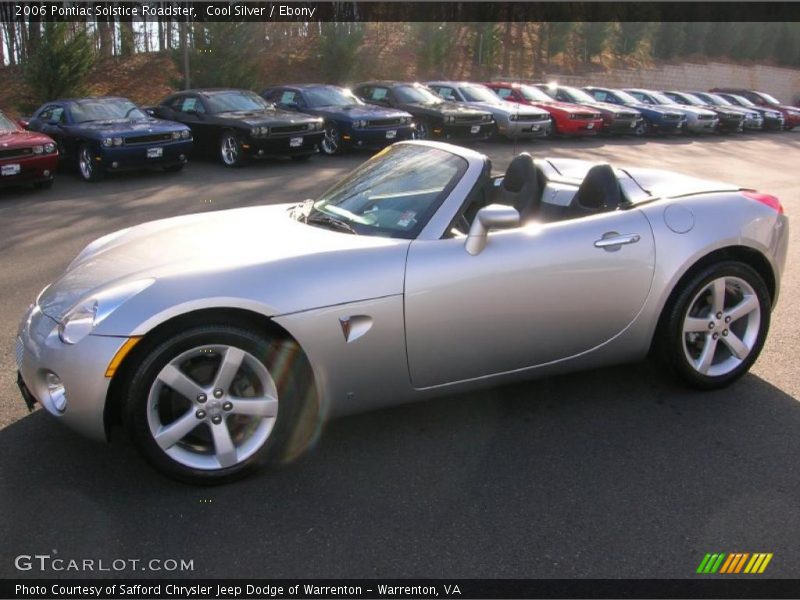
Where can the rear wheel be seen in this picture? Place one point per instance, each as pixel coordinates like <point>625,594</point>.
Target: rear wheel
<point>214,402</point>
<point>715,328</point>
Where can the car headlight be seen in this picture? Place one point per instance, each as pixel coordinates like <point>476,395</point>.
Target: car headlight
<point>118,141</point>
<point>107,142</point>
<point>176,135</point>
<point>49,148</point>
<point>186,134</point>
<point>38,149</point>
<point>81,319</point>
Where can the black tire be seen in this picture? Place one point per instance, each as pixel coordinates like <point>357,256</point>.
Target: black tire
<point>87,167</point>
<point>294,426</point>
<point>672,345</point>
<point>43,185</point>
<point>175,168</point>
<point>230,151</point>
<point>641,129</point>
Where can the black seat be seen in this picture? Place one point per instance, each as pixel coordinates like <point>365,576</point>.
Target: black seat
<point>521,187</point>
<point>599,192</point>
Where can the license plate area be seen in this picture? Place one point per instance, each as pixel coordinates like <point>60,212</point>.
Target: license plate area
<point>590,126</point>
<point>8,170</point>
<point>391,134</point>
<point>155,152</point>
<point>295,142</point>
<point>475,129</point>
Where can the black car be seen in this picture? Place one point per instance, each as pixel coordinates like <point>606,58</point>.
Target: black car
<point>434,117</point>
<point>239,124</point>
<point>773,118</point>
<point>349,122</point>
<point>107,133</point>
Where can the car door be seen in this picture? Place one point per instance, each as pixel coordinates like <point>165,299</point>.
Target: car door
<point>535,295</point>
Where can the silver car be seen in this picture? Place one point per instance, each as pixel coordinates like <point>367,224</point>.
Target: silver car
<point>698,120</point>
<point>513,121</point>
<point>223,340</point>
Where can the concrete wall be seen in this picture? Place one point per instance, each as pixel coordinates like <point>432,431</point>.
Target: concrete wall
<point>782,83</point>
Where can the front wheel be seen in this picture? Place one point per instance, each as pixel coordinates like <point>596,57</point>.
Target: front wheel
<point>422,130</point>
<point>715,328</point>
<point>230,150</point>
<point>332,141</point>
<point>87,166</point>
<point>641,129</point>
<point>214,402</point>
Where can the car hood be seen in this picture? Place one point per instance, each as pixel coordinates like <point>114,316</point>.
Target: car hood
<point>568,107</point>
<point>258,118</point>
<point>129,126</point>
<point>443,108</point>
<point>614,109</point>
<point>22,139</point>
<point>687,110</point>
<point>507,108</point>
<point>259,253</point>
<point>356,112</point>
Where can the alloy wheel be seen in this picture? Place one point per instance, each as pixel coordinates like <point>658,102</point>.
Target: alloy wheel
<point>721,326</point>
<point>212,407</point>
<point>85,164</point>
<point>330,143</point>
<point>229,150</point>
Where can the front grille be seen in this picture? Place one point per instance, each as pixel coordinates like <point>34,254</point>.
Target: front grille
<point>534,117</point>
<point>385,122</point>
<point>672,117</point>
<point>627,115</point>
<point>586,116</point>
<point>16,152</point>
<point>290,128</point>
<point>705,117</point>
<point>148,139</point>
<point>469,119</point>
<point>19,351</point>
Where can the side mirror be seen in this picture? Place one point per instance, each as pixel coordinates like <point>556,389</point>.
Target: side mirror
<point>494,216</point>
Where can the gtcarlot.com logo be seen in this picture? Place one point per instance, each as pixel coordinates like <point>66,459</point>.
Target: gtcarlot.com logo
<point>52,562</point>
<point>734,563</point>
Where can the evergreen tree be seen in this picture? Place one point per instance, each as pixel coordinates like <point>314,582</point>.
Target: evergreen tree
<point>338,49</point>
<point>222,54</point>
<point>58,66</point>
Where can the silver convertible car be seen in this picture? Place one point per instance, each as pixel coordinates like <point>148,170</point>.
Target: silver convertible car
<point>223,340</point>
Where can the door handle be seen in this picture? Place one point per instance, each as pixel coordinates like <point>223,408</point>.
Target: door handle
<point>613,240</point>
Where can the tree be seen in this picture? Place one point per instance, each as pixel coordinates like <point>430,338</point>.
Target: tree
<point>434,44</point>
<point>222,54</point>
<point>59,65</point>
<point>669,39</point>
<point>595,39</point>
<point>338,49</point>
<point>629,35</point>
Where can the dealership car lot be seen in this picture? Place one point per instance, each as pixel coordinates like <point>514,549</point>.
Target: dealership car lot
<point>611,473</point>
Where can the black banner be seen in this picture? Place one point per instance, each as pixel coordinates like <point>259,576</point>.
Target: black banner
<point>256,10</point>
<point>738,587</point>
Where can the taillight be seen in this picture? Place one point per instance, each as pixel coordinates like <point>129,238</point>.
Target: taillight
<point>765,199</point>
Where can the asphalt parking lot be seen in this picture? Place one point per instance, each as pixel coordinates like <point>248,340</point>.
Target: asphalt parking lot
<point>611,473</point>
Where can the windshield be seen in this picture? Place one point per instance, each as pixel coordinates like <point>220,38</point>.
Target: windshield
<point>768,98</point>
<point>578,96</point>
<point>479,93</point>
<point>330,96</point>
<point>416,94</point>
<point>393,194</point>
<point>626,97</point>
<point>236,101</point>
<point>718,100</point>
<point>105,109</point>
<point>740,100</point>
<point>534,94</point>
<point>7,124</point>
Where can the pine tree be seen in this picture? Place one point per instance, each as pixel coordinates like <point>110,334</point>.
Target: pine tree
<point>58,66</point>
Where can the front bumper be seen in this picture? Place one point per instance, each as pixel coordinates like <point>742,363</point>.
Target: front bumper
<point>524,129</point>
<point>285,145</point>
<point>80,367</point>
<point>458,131</point>
<point>377,137</point>
<point>702,125</point>
<point>621,126</point>
<point>754,124</point>
<point>123,158</point>
<point>665,126</point>
<point>730,124</point>
<point>579,126</point>
<point>31,169</point>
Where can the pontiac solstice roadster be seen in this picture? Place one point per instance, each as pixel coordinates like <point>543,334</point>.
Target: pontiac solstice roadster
<point>222,341</point>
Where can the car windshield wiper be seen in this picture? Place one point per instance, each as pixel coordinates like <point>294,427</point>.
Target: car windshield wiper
<point>319,218</point>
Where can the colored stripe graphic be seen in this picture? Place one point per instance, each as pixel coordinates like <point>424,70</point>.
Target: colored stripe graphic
<point>735,562</point>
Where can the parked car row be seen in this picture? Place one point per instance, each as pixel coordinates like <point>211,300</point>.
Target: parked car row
<point>105,134</point>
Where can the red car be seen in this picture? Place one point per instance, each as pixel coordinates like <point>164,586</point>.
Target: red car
<point>568,118</point>
<point>791,114</point>
<point>25,156</point>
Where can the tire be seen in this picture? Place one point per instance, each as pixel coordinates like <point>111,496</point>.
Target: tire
<point>423,130</point>
<point>175,168</point>
<point>87,166</point>
<point>332,141</point>
<point>699,337</point>
<point>641,129</point>
<point>223,437</point>
<point>230,150</point>
<point>43,185</point>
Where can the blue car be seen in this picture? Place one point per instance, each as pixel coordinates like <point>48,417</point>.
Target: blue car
<point>349,122</point>
<point>656,119</point>
<point>111,134</point>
